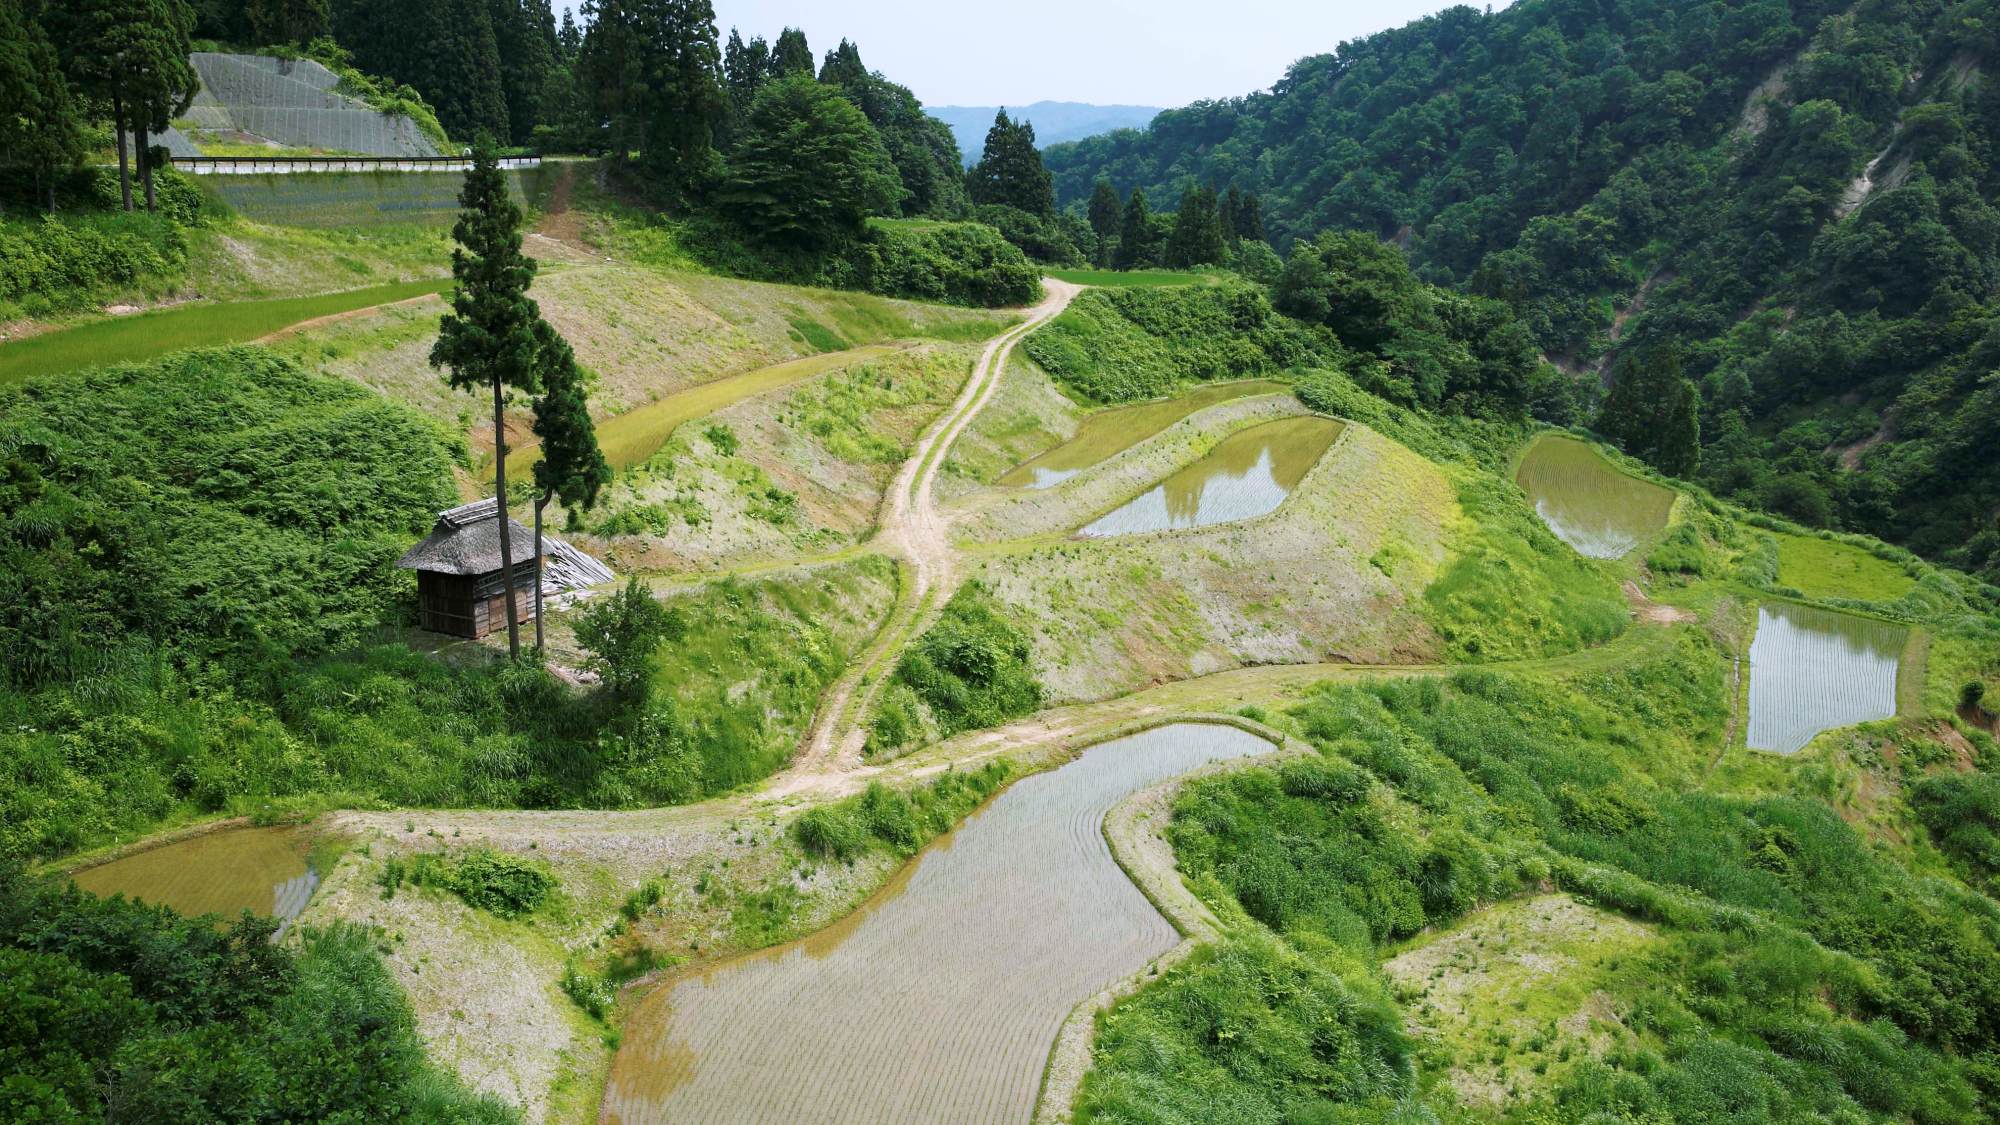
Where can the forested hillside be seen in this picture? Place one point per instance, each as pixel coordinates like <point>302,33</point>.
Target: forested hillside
<point>1792,198</point>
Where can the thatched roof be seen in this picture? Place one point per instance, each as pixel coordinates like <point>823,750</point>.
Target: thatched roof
<point>466,540</point>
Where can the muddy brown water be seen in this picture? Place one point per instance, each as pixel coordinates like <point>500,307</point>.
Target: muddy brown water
<point>262,870</point>
<point>1814,670</point>
<point>1110,432</point>
<point>938,1001</point>
<point>1587,502</point>
<point>1247,474</point>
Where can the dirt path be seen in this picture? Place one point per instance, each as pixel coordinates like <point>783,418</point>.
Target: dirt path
<point>917,535</point>
<point>350,314</point>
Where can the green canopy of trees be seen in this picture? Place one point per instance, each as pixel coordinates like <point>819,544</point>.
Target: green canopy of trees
<point>1820,251</point>
<point>808,168</point>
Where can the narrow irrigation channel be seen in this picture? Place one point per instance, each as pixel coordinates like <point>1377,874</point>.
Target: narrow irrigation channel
<point>938,1000</point>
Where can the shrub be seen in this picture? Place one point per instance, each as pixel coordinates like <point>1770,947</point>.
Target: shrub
<point>1053,239</point>
<point>830,832</point>
<point>957,263</point>
<point>499,884</point>
<point>1127,344</point>
<point>972,669</point>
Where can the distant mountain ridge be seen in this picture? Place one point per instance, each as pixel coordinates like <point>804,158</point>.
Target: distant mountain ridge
<point>1055,122</point>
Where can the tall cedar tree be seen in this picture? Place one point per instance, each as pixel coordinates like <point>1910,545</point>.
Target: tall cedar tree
<point>569,37</point>
<point>809,168</point>
<point>1104,213</point>
<point>524,35</point>
<point>843,68</point>
<point>572,467</point>
<point>1197,239</point>
<point>1135,234</point>
<point>293,22</point>
<point>491,336</point>
<point>791,55</point>
<point>745,67</point>
<point>1653,413</point>
<point>1249,220</point>
<point>1010,171</point>
<point>42,129</point>
<point>133,55</point>
<point>444,49</point>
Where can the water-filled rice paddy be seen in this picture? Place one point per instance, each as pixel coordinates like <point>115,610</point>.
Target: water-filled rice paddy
<point>262,870</point>
<point>938,1001</point>
<point>1110,432</point>
<point>1814,670</point>
<point>1247,474</point>
<point>1587,502</point>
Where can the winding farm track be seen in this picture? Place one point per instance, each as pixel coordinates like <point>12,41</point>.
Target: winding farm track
<point>912,531</point>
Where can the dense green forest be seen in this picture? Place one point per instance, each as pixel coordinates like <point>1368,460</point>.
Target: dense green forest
<point>1794,197</point>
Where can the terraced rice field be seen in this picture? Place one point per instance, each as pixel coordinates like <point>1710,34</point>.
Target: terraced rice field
<point>1248,474</point>
<point>632,437</point>
<point>1814,670</point>
<point>204,324</point>
<point>1825,568</point>
<point>262,870</point>
<point>939,1000</point>
<point>1587,502</point>
<point>1111,432</point>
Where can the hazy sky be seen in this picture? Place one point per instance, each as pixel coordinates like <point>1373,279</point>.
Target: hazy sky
<point>1132,52</point>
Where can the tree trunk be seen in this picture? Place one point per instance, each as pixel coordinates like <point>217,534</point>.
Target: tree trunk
<point>506,544</point>
<point>145,164</point>
<point>124,170</point>
<point>540,503</point>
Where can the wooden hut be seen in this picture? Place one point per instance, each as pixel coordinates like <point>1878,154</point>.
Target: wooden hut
<point>460,587</point>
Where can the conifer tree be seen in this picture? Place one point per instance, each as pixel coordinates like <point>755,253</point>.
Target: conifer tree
<point>132,54</point>
<point>1232,212</point>
<point>42,128</point>
<point>843,68</point>
<point>1654,413</point>
<point>791,54</point>
<point>527,52</point>
<point>1104,213</point>
<point>1197,239</point>
<point>572,466</point>
<point>683,78</point>
<point>1010,171</point>
<point>745,67</point>
<point>570,37</point>
<point>294,22</point>
<point>1135,234</point>
<point>1250,219</point>
<point>491,338</point>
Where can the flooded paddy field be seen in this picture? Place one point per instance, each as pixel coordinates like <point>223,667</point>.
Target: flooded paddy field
<point>1248,474</point>
<point>1813,670</point>
<point>1587,502</point>
<point>1110,432</point>
<point>939,999</point>
<point>262,870</point>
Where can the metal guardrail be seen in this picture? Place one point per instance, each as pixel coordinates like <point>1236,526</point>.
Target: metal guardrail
<point>280,165</point>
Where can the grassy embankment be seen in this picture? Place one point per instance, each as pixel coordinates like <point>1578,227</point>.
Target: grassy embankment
<point>1133,279</point>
